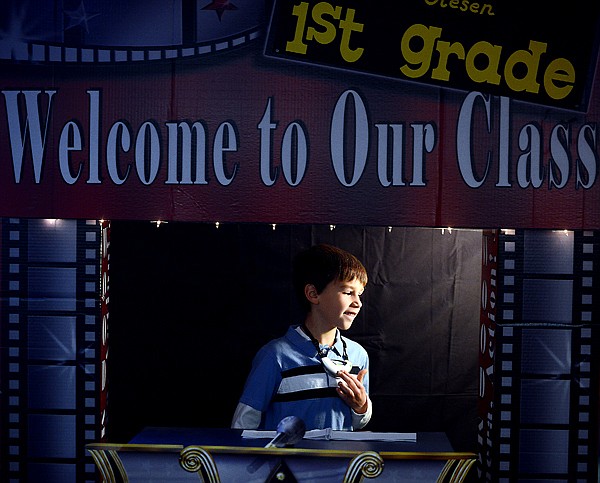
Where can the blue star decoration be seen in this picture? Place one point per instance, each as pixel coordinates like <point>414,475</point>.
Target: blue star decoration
<point>219,6</point>
<point>79,17</point>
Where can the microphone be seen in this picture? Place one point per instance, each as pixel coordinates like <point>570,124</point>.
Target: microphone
<point>290,430</point>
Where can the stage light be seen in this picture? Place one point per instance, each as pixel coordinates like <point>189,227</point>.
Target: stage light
<point>217,225</point>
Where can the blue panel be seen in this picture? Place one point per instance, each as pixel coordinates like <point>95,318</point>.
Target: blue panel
<point>545,480</point>
<point>51,338</point>
<point>51,436</point>
<point>52,387</point>
<point>52,288</point>
<point>547,301</point>
<point>544,451</point>
<point>161,467</point>
<point>120,15</point>
<point>52,473</point>
<point>546,351</point>
<point>545,401</point>
<point>52,240</point>
<point>548,251</point>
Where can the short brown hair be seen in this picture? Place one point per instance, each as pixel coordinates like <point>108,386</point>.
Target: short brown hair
<point>322,264</point>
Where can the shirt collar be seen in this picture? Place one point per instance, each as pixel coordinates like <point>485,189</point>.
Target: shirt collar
<point>337,343</point>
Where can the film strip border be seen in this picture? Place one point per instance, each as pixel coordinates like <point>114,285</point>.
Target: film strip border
<point>57,53</point>
<point>50,394</point>
<point>104,314</point>
<point>512,270</point>
<point>575,427</point>
<point>487,351</point>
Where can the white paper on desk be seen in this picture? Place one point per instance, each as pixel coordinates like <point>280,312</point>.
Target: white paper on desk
<point>256,434</point>
<point>333,434</point>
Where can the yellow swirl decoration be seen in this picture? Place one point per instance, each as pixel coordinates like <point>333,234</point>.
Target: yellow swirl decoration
<point>197,460</point>
<point>368,464</point>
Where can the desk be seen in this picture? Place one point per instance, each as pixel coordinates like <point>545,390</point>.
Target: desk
<point>427,442</point>
<point>246,460</point>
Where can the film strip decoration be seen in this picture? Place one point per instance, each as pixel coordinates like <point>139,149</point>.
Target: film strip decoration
<point>51,379</point>
<point>41,52</point>
<point>487,352</point>
<point>543,422</point>
<point>104,314</point>
<point>109,31</point>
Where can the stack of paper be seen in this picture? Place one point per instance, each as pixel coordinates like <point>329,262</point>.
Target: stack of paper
<point>332,434</point>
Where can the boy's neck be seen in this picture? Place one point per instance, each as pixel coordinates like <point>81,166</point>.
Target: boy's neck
<point>324,336</point>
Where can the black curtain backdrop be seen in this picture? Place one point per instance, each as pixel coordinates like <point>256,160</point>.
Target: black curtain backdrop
<point>190,304</point>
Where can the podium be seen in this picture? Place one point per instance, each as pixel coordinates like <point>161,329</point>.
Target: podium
<point>223,456</point>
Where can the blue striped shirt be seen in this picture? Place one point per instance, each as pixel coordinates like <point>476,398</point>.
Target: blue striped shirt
<point>287,378</point>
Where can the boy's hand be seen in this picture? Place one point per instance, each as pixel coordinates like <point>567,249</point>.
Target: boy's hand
<point>351,390</point>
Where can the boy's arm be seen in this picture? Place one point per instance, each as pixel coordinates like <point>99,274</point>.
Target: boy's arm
<point>246,417</point>
<point>359,421</point>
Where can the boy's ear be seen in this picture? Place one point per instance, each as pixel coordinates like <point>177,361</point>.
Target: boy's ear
<point>311,294</point>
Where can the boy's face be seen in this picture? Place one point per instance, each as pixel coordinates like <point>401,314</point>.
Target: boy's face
<point>339,303</point>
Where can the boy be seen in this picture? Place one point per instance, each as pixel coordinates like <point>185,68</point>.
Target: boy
<point>312,372</point>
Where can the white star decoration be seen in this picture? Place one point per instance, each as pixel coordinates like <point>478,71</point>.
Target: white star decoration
<point>79,17</point>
